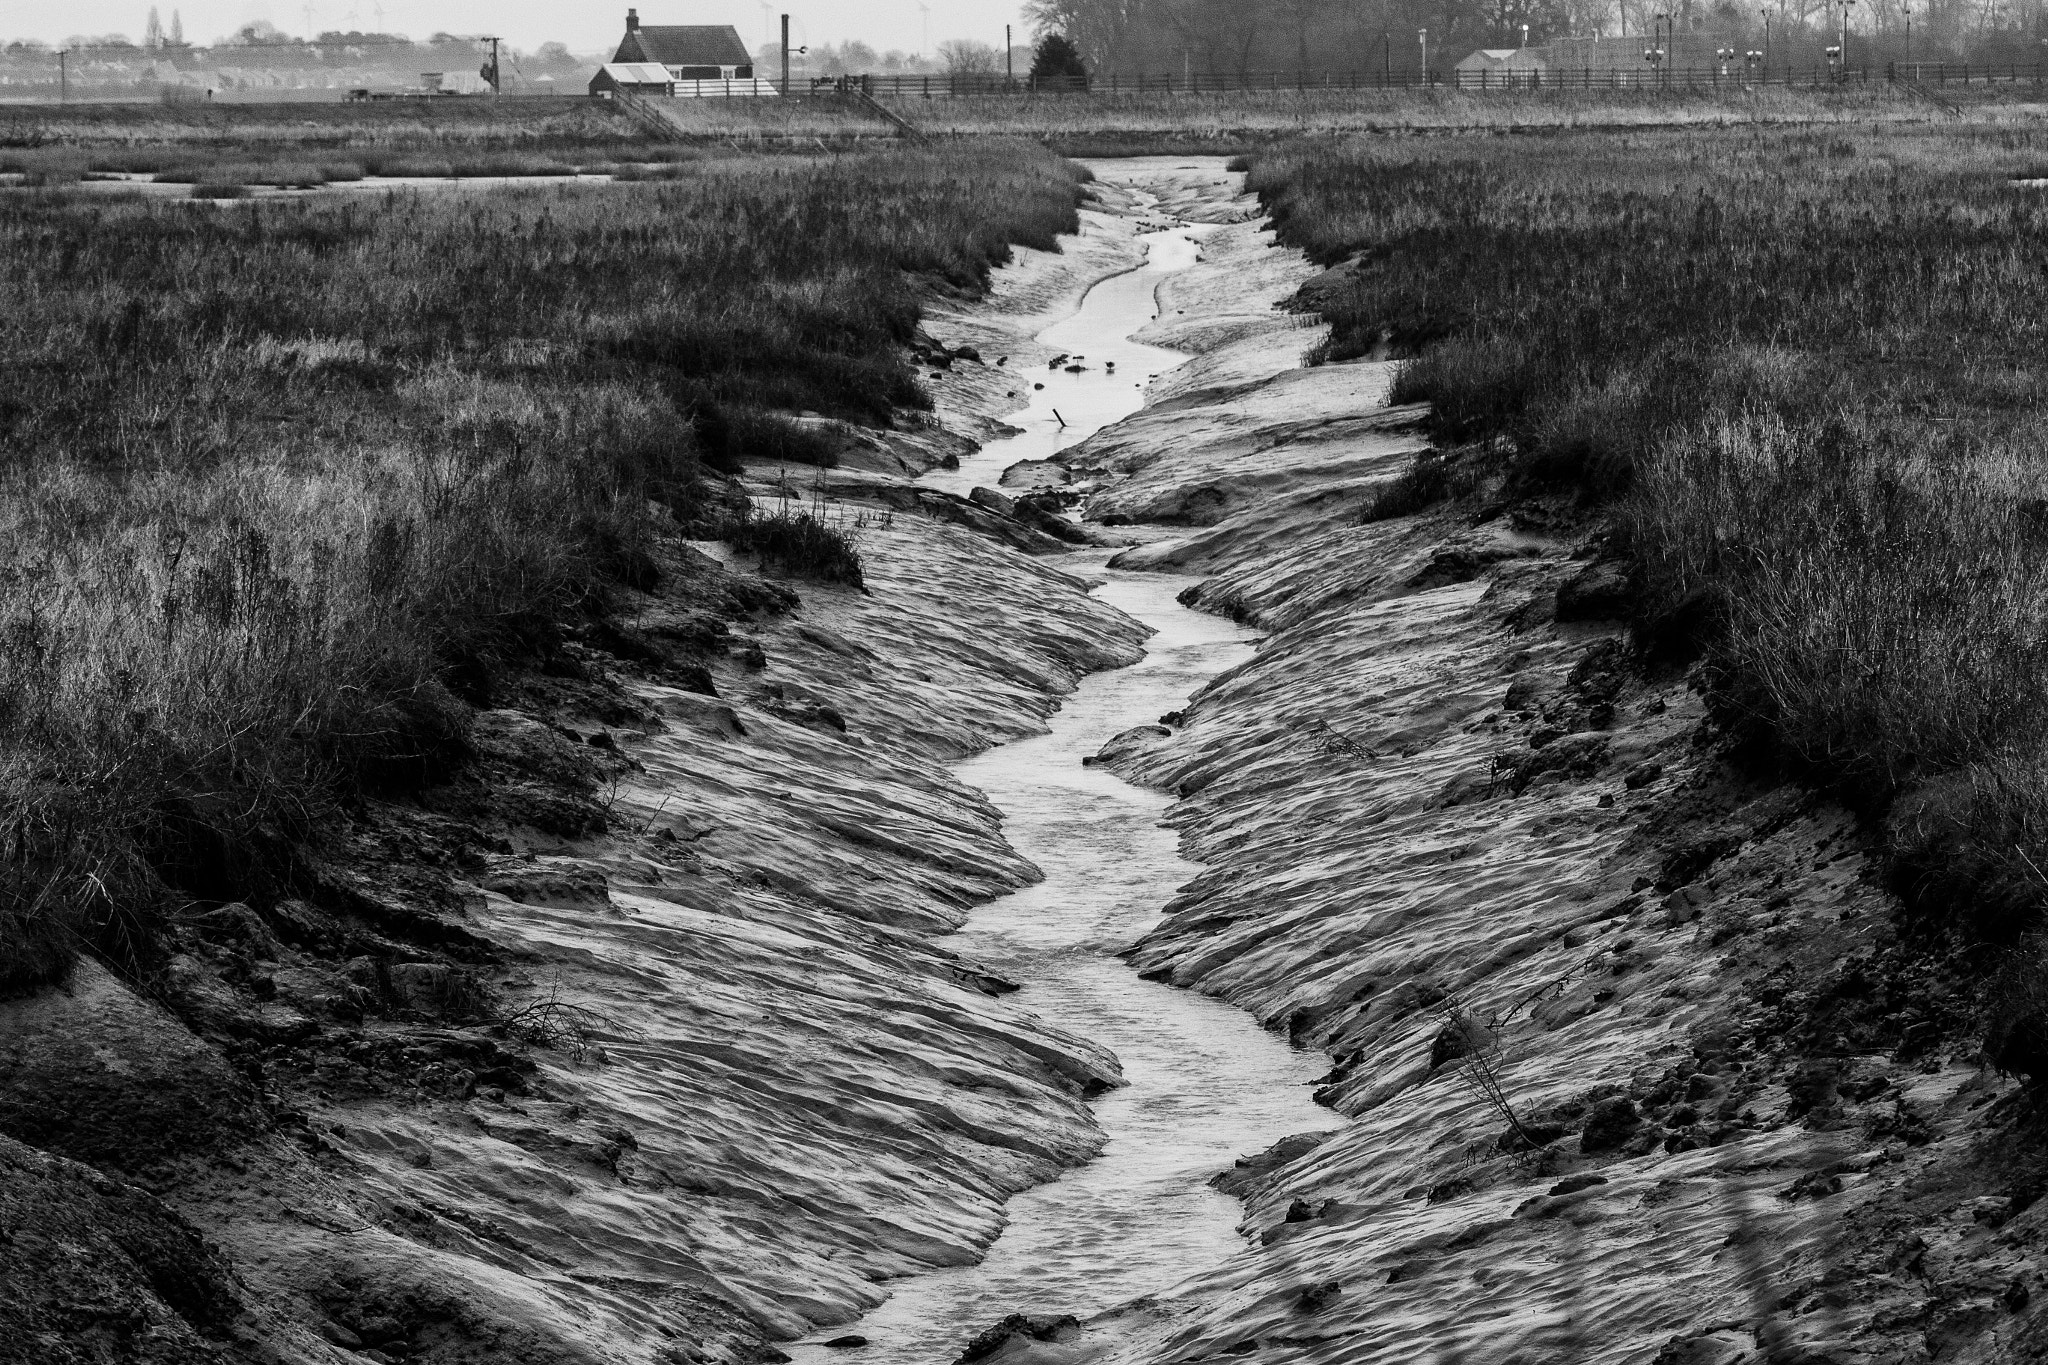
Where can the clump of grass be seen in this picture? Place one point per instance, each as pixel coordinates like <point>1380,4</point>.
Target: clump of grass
<point>285,493</point>
<point>213,189</point>
<point>1798,370</point>
<point>796,539</point>
<point>1434,476</point>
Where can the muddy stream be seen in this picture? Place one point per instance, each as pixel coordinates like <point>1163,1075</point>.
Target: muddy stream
<point>1204,1083</point>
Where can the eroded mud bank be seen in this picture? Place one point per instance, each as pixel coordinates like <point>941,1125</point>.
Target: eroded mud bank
<point>1635,1061</point>
<point>670,1052</point>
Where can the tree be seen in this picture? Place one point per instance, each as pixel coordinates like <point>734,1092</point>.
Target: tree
<point>1057,62</point>
<point>177,30</point>
<point>153,31</point>
<point>966,57</point>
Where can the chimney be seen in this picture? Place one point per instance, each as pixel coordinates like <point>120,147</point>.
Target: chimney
<point>632,21</point>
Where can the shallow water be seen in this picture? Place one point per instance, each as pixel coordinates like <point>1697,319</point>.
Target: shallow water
<point>1204,1084</point>
<point>1114,369</point>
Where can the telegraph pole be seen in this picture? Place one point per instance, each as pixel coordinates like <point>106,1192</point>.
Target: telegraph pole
<point>63,77</point>
<point>785,54</point>
<point>1009,62</point>
<point>494,63</point>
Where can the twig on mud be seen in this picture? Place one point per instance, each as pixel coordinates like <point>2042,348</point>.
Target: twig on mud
<point>555,1024</point>
<point>1329,740</point>
<point>1481,1071</point>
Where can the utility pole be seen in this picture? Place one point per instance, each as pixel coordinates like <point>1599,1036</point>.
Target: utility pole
<point>785,54</point>
<point>492,74</point>
<point>1009,63</point>
<point>1425,56</point>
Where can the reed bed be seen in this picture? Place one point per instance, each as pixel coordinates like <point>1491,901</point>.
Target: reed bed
<point>286,486</point>
<point>1802,375</point>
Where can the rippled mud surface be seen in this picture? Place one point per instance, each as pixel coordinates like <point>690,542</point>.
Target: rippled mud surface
<point>1202,1082</point>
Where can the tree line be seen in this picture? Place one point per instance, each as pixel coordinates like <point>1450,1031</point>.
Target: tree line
<point>1243,36</point>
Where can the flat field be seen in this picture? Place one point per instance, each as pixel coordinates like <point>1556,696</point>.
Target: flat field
<point>284,483</point>
<point>1800,376</point>
<point>532,136</point>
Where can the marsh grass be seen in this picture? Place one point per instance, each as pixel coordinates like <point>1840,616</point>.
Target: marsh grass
<point>284,492</point>
<point>1802,371</point>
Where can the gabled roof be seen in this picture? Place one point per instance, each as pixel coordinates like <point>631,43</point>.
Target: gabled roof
<point>685,45</point>
<point>637,73</point>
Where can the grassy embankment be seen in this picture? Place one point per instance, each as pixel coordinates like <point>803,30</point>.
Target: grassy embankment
<point>309,144</point>
<point>313,144</point>
<point>284,486</point>
<point>1803,375</point>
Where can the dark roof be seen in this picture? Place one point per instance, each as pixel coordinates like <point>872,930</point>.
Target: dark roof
<point>685,45</point>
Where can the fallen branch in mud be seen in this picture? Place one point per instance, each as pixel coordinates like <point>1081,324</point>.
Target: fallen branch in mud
<point>1479,1046</point>
<point>555,1024</point>
<point>1329,740</point>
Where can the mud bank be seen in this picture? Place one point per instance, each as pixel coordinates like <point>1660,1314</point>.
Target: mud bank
<point>1637,1059</point>
<point>643,1042</point>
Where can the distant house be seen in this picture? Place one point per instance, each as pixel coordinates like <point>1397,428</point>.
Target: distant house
<point>1513,63</point>
<point>690,52</point>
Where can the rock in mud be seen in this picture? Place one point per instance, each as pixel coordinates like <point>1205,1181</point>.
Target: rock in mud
<point>1599,592</point>
<point>1018,1327</point>
<point>95,1270</point>
<point>1250,1169</point>
<point>1610,1124</point>
<point>993,501</point>
<point>90,1070</point>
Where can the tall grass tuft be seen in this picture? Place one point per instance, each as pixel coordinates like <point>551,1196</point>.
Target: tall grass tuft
<point>284,492</point>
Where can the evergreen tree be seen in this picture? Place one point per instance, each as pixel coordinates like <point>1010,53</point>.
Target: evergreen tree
<point>153,31</point>
<point>1058,63</point>
<point>177,30</point>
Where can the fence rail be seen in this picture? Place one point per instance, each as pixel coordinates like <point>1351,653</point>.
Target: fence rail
<point>1730,76</point>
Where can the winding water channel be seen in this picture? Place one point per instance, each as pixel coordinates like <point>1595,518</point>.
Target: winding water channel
<point>1205,1084</point>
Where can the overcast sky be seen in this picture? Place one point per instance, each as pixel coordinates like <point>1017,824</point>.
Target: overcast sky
<point>882,24</point>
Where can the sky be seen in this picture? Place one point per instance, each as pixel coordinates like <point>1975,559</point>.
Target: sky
<point>585,26</point>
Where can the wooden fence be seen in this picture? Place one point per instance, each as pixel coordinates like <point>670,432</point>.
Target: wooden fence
<point>1734,75</point>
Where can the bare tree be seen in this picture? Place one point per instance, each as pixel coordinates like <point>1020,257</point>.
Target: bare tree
<point>966,57</point>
